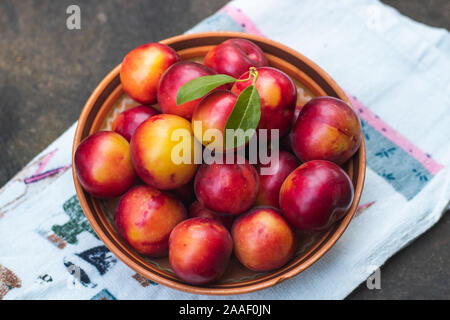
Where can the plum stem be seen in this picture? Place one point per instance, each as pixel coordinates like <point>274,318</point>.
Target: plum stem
<point>252,73</point>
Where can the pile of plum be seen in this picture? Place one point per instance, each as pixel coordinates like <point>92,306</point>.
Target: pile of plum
<point>232,207</point>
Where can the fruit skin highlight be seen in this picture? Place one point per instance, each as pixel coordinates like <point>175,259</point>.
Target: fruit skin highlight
<point>315,195</point>
<point>278,98</point>
<point>200,249</point>
<point>152,146</point>
<point>145,218</point>
<point>127,122</point>
<point>142,68</point>
<point>172,80</point>
<point>229,189</point>
<point>234,57</point>
<point>326,129</point>
<point>263,240</point>
<point>103,164</point>
<point>270,184</point>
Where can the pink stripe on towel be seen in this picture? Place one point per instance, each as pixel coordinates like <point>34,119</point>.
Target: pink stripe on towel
<point>237,15</point>
<point>367,115</point>
<point>46,174</point>
<point>44,162</point>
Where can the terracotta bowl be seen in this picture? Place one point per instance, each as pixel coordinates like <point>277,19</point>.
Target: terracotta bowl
<point>108,99</point>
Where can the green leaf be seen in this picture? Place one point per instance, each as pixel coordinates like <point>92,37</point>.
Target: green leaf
<point>245,115</point>
<point>200,86</point>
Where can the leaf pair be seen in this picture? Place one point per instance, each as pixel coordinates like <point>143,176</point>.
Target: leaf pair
<point>246,112</point>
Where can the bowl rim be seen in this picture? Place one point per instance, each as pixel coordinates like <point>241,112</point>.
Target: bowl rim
<point>325,245</point>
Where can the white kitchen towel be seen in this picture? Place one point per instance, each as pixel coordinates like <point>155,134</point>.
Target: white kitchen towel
<point>397,73</point>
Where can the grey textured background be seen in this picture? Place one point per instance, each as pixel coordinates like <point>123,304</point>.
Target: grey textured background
<point>47,73</point>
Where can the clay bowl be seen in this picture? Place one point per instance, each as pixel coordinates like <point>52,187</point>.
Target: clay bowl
<point>108,99</point>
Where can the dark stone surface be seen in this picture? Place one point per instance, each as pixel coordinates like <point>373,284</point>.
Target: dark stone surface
<point>47,73</point>
<point>435,13</point>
